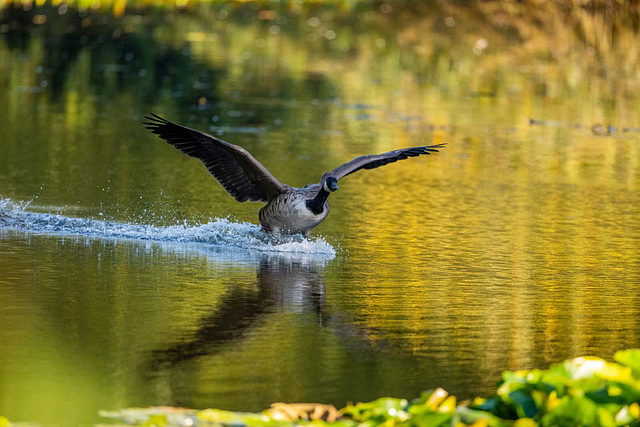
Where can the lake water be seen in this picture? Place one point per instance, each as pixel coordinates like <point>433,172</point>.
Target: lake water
<point>128,277</point>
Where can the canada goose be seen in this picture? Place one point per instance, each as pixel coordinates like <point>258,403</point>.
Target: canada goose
<point>288,210</point>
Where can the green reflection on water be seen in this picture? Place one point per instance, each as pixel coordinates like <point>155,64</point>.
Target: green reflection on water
<point>516,246</point>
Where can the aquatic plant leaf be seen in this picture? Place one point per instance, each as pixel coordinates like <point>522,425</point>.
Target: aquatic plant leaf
<point>629,415</point>
<point>218,416</point>
<point>431,410</point>
<point>630,358</point>
<point>587,367</point>
<point>434,408</point>
<point>320,423</point>
<point>609,394</point>
<point>488,405</point>
<point>524,404</point>
<point>471,416</point>
<point>156,421</point>
<point>556,381</point>
<point>449,405</point>
<point>525,422</point>
<point>572,411</point>
<point>377,411</point>
<point>432,398</point>
<point>495,406</point>
<point>158,415</point>
<point>431,419</point>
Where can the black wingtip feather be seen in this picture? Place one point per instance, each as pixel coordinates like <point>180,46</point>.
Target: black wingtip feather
<point>155,121</point>
<point>384,159</point>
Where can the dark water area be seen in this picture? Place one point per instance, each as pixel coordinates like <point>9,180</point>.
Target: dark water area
<point>128,277</point>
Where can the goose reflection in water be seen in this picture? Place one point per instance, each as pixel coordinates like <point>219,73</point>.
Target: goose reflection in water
<point>283,284</point>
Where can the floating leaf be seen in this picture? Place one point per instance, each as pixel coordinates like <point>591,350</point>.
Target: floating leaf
<point>572,411</point>
<point>377,411</point>
<point>630,358</point>
<point>525,422</point>
<point>525,406</point>
<point>435,398</point>
<point>156,421</point>
<point>475,417</point>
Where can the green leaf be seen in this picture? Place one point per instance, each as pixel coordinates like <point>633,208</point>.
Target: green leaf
<point>630,358</point>
<point>320,423</point>
<point>471,416</point>
<point>572,411</point>
<point>377,411</point>
<point>156,421</point>
<point>525,406</point>
<point>432,419</point>
<point>488,405</point>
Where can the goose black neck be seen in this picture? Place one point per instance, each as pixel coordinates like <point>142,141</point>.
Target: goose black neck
<point>316,205</point>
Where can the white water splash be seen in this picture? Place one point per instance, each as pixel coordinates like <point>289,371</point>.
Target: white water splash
<point>219,233</point>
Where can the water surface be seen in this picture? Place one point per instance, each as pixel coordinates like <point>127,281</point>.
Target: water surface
<point>129,277</point>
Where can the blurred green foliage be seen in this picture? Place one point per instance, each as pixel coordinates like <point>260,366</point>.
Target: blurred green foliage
<point>585,391</point>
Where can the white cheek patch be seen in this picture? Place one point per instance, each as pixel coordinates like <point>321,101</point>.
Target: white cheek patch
<point>325,187</point>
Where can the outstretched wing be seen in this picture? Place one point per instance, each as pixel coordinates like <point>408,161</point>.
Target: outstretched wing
<point>232,166</point>
<point>376,160</point>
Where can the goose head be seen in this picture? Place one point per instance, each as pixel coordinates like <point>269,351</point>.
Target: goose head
<point>330,184</point>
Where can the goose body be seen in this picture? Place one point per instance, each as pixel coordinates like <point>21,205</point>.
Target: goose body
<point>288,210</point>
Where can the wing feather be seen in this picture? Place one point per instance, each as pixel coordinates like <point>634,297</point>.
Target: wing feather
<point>244,177</point>
<point>376,160</point>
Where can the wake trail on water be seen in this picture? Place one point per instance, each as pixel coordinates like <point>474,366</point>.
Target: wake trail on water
<point>219,233</point>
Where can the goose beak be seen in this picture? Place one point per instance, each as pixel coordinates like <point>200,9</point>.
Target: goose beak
<point>333,185</point>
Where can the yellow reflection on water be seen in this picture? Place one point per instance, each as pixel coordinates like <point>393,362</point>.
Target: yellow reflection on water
<point>515,246</point>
